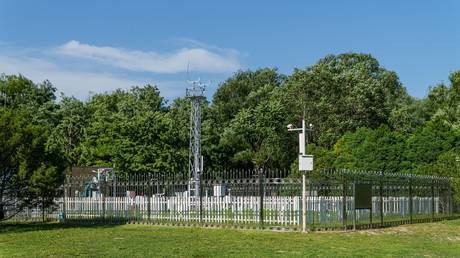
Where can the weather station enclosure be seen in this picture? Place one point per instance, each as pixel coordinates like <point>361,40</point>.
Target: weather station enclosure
<point>270,199</point>
<point>253,198</point>
<point>305,162</point>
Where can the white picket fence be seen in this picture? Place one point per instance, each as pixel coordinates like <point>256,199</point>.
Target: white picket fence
<point>32,214</point>
<point>277,210</point>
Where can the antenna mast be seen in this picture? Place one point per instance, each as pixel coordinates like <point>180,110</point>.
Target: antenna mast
<point>195,93</point>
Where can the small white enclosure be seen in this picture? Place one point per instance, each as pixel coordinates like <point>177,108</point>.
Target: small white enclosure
<point>219,190</point>
<point>306,162</point>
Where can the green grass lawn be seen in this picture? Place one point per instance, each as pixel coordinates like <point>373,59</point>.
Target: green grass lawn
<point>441,239</point>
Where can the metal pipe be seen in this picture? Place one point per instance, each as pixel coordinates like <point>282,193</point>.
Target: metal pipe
<point>304,204</point>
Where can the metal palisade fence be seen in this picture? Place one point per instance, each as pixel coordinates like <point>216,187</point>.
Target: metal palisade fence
<point>336,199</point>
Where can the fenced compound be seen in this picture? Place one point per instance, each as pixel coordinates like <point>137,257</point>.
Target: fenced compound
<point>263,199</point>
<point>237,210</point>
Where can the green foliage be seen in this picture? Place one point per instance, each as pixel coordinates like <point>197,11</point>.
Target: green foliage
<point>30,174</point>
<point>444,101</point>
<point>409,115</point>
<point>376,150</point>
<point>237,92</point>
<point>448,164</point>
<point>341,93</point>
<point>242,93</point>
<point>134,131</point>
<point>67,136</point>
<point>256,136</point>
<point>44,186</point>
<point>430,141</point>
<point>18,91</point>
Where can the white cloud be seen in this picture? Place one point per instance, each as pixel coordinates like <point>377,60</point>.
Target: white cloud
<point>76,83</point>
<point>198,44</point>
<point>78,77</point>
<point>201,59</point>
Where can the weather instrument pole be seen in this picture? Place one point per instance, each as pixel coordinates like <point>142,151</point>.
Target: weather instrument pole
<point>305,165</point>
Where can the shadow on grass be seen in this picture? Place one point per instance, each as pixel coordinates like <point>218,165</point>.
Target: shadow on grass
<point>19,227</point>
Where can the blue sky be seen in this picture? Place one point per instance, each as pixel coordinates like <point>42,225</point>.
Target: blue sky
<point>97,46</point>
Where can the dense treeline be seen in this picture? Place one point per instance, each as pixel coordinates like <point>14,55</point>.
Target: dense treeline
<point>362,115</point>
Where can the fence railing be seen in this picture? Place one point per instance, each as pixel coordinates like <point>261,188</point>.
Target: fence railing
<point>256,200</point>
<point>278,210</point>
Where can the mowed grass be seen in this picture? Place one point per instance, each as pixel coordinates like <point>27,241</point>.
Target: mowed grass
<point>441,239</point>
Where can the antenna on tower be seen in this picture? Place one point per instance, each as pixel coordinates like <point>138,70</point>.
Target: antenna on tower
<point>188,70</point>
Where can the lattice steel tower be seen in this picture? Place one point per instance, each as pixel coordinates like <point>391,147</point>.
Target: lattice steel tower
<point>195,93</point>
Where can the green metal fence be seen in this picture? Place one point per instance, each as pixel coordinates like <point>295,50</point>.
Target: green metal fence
<point>336,199</point>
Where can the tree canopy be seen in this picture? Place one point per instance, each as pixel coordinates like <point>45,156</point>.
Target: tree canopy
<point>30,172</point>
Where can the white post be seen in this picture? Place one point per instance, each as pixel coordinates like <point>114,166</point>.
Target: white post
<point>303,169</point>
<point>304,204</point>
<point>304,190</point>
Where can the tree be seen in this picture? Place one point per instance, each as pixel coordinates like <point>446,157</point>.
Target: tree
<point>341,93</point>
<point>67,136</point>
<point>409,115</point>
<point>444,101</point>
<point>178,133</point>
<point>234,93</point>
<point>45,185</point>
<point>244,90</point>
<point>24,158</point>
<point>26,116</point>
<point>447,165</point>
<point>256,136</point>
<point>18,91</point>
<point>144,146</point>
<point>133,131</point>
<point>97,147</point>
<point>370,149</point>
<point>427,143</point>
